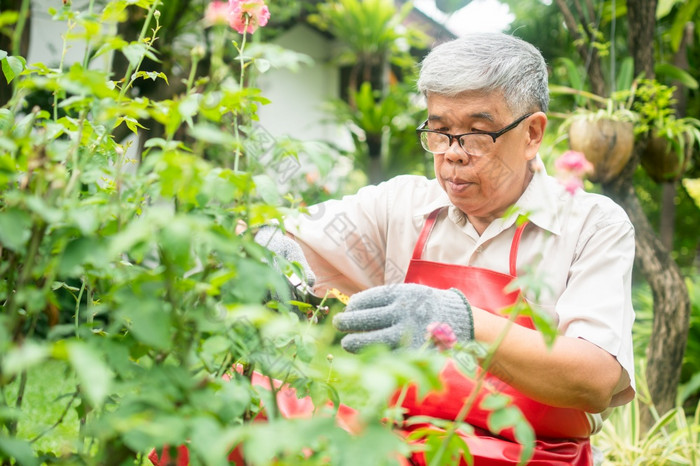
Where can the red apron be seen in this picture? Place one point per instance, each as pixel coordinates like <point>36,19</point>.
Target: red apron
<point>562,433</point>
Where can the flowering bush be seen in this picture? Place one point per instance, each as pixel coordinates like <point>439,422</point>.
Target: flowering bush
<point>122,272</point>
<point>125,270</point>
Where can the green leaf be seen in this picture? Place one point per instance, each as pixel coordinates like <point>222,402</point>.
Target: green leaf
<point>235,397</point>
<point>134,53</point>
<point>306,347</point>
<point>23,357</point>
<point>152,75</point>
<point>211,442</point>
<point>262,65</point>
<point>18,449</point>
<point>176,240</point>
<point>267,189</point>
<point>12,66</point>
<point>495,401</point>
<point>15,229</point>
<point>160,431</point>
<point>83,250</point>
<point>692,186</point>
<point>525,436</point>
<point>47,212</point>
<point>674,73</point>
<point>664,7</point>
<point>504,418</point>
<point>7,18</point>
<point>625,75</point>
<point>148,321</point>
<point>93,373</point>
<point>211,134</point>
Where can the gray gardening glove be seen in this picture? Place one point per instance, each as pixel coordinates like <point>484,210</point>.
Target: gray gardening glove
<point>272,238</point>
<point>399,315</point>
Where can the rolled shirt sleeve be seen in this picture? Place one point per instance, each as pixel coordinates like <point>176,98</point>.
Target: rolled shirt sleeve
<point>596,303</point>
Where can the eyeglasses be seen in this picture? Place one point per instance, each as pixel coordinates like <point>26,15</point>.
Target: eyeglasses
<point>475,144</point>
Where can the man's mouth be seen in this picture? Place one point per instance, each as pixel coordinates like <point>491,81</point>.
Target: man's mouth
<point>457,184</point>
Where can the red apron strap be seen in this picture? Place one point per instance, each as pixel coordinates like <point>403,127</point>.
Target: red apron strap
<point>514,249</point>
<point>424,233</point>
<point>428,228</point>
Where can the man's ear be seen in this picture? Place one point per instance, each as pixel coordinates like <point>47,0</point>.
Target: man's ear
<point>535,133</point>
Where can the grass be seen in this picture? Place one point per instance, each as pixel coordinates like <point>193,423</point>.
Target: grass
<point>47,393</point>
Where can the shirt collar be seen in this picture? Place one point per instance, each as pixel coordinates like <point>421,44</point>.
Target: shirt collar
<point>539,201</point>
<point>439,201</point>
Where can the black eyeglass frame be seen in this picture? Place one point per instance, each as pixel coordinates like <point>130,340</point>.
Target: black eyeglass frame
<point>494,134</point>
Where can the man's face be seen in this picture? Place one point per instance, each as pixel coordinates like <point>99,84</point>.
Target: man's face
<point>484,187</point>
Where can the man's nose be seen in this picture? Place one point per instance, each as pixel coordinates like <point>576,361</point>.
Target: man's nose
<point>456,154</point>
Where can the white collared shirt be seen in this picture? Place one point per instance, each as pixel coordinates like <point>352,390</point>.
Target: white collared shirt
<point>581,247</point>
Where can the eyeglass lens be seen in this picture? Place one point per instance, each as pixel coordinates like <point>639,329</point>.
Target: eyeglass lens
<point>473,144</point>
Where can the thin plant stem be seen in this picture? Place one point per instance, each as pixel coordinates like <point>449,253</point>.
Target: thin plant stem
<point>90,316</point>
<point>193,72</point>
<point>74,155</point>
<point>18,404</point>
<point>37,236</point>
<point>241,81</point>
<point>88,45</point>
<point>64,50</point>
<point>77,308</point>
<point>131,68</point>
<point>60,419</point>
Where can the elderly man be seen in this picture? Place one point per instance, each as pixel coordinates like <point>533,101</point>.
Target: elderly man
<point>412,251</point>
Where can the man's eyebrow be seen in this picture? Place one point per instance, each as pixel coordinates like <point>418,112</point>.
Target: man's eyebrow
<point>483,116</point>
<point>476,116</point>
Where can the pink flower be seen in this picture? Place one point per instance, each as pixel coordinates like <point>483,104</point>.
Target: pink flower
<point>217,13</point>
<point>571,167</point>
<point>574,162</point>
<point>441,335</point>
<point>254,12</point>
<point>571,183</point>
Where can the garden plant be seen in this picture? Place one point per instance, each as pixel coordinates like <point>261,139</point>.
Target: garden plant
<point>135,304</point>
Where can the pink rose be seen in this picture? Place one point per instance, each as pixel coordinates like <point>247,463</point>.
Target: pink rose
<point>254,12</point>
<point>217,13</point>
<point>441,335</point>
<point>574,162</point>
<point>571,183</point>
<point>571,167</point>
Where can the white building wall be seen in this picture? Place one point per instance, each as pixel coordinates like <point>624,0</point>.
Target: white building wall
<point>296,97</point>
<point>46,40</point>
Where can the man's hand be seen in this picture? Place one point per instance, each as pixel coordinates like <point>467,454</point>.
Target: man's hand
<point>398,315</point>
<point>272,238</point>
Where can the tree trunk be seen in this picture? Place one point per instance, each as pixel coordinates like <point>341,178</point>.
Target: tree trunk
<point>590,55</point>
<point>667,218</point>
<point>641,19</point>
<point>671,300</point>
